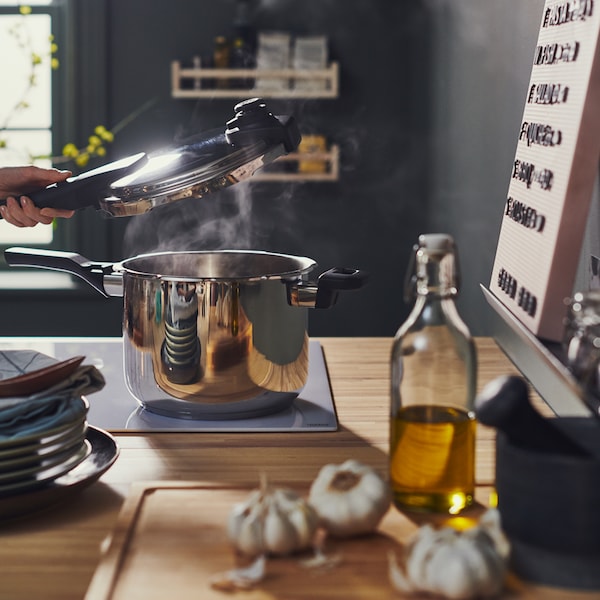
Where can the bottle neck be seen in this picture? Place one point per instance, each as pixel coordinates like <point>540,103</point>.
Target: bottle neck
<point>242,23</point>
<point>436,275</point>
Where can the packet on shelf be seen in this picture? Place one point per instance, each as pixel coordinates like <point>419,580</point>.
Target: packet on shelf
<point>310,52</point>
<point>312,144</point>
<point>273,53</point>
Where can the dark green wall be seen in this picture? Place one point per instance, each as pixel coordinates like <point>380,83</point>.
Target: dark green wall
<point>369,219</point>
<point>429,95</point>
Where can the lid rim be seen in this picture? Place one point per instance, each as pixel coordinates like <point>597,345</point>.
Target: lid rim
<point>303,265</point>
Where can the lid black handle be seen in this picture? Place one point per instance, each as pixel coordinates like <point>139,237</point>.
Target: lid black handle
<point>253,122</point>
<point>87,188</point>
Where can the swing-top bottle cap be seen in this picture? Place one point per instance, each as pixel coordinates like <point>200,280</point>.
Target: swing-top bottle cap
<point>438,242</point>
<point>434,266</point>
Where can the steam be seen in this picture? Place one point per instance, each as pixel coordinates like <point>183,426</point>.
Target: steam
<point>217,221</point>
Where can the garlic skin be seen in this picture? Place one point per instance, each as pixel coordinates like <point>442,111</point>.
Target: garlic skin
<point>276,522</point>
<point>457,565</point>
<point>350,499</point>
<point>244,578</point>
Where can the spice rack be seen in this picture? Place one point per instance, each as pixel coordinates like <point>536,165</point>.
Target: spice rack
<point>328,76</point>
<point>328,87</point>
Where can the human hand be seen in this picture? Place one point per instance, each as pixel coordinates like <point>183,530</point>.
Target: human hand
<point>17,182</point>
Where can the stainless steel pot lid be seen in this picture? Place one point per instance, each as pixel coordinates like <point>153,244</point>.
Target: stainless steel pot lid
<point>200,165</point>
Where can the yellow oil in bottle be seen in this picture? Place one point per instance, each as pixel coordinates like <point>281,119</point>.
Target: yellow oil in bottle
<point>432,450</point>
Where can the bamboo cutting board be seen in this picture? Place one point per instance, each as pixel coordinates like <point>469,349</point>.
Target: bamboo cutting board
<point>171,539</point>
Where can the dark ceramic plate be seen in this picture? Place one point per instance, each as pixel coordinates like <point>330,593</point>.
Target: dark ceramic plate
<point>103,453</point>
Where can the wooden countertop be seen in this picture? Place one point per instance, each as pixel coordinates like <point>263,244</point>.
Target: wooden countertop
<point>54,554</point>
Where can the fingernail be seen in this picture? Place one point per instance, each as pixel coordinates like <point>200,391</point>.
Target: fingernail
<point>24,201</point>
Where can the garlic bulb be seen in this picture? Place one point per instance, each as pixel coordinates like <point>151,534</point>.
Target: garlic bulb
<point>272,521</point>
<point>350,498</point>
<point>457,565</point>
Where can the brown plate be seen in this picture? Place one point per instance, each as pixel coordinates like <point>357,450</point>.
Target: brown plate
<point>40,379</point>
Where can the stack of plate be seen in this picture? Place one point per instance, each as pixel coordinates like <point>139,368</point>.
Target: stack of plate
<point>43,420</point>
<point>43,454</point>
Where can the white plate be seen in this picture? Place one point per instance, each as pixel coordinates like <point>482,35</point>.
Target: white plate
<point>45,445</point>
<point>46,475</point>
<point>41,455</point>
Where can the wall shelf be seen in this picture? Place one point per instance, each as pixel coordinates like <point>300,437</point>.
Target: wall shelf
<point>192,83</point>
<point>191,76</point>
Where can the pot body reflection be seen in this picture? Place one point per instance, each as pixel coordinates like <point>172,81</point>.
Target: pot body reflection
<point>207,348</point>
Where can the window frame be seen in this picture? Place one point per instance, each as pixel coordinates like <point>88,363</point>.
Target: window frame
<point>79,104</point>
<point>52,12</point>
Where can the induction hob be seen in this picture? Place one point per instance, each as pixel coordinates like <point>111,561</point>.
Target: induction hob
<point>115,409</point>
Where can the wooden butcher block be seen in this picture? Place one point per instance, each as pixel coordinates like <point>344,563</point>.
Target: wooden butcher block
<point>171,541</point>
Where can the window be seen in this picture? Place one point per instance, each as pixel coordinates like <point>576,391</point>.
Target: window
<point>77,103</point>
<point>26,99</point>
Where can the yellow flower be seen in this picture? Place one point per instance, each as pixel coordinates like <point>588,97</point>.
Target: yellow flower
<point>106,135</point>
<point>70,150</point>
<point>36,59</point>
<point>94,141</point>
<point>53,48</point>
<point>101,151</point>
<point>2,143</point>
<point>82,159</point>
<point>25,9</point>
<point>55,64</point>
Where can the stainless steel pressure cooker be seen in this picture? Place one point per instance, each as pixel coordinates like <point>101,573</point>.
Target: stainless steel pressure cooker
<point>210,335</point>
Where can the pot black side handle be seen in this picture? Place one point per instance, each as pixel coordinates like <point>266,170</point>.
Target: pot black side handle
<point>335,280</point>
<point>69,262</point>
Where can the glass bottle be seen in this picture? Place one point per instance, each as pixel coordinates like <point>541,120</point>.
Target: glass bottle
<point>243,26</point>
<point>581,341</point>
<point>221,58</point>
<point>433,381</point>
<point>243,50</point>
